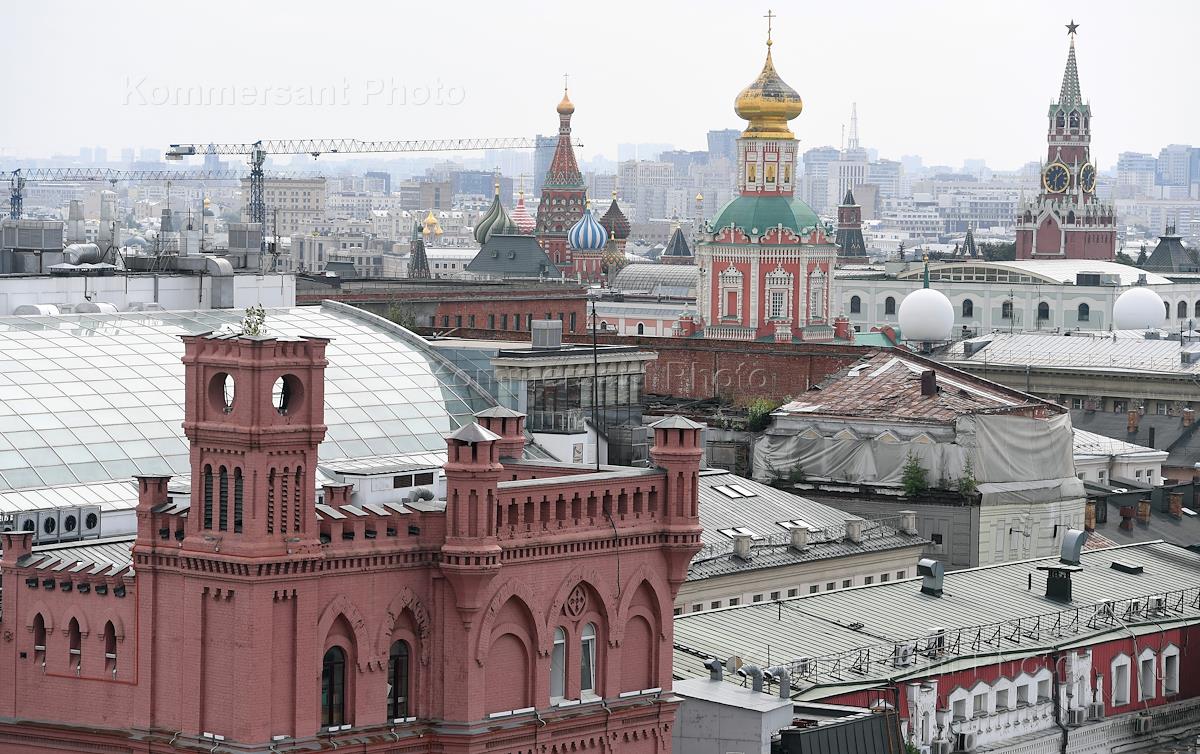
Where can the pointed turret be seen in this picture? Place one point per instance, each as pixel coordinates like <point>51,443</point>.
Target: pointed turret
<point>1069,95</point>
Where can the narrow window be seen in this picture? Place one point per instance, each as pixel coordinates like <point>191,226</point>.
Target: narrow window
<point>1181,310</point>
<point>1043,311</point>
<point>1146,678</point>
<point>1006,310</point>
<point>333,688</point>
<point>110,648</point>
<point>398,659</point>
<point>558,664</point>
<point>968,308</point>
<point>208,497</point>
<point>223,508</point>
<point>39,638</point>
<point>889,306</point>
<point>1171,674</point>
<point>75,644</point>
<point>1085,313</point>
<point>237,500</point>
<point>855,305</point>
<point>587,660</point>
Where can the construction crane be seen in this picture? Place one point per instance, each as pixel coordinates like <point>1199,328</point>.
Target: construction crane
<point>18,179</point>
<point>257,152</point>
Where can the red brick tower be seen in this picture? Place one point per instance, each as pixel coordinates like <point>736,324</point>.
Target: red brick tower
<point>1066,220</point>
<point>563,193</point>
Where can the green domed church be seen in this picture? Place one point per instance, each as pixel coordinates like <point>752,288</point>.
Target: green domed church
<point>766,259</point>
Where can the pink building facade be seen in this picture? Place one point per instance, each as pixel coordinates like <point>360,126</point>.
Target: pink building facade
<point>529,611</point>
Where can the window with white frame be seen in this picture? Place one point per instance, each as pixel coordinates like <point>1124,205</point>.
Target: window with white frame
<point>731,292</point>
<point>816,295</point>
<point>979,700</point>
<point>1147,675</point>
<point>587,660</point>
<point>558,665</point>
<point>1002,699</point>
<point>1120,680</point>
<point>779,291</point>
<point>1170,670</point>
<point>779,304</point>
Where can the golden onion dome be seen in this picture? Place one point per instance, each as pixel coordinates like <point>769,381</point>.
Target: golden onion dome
<point>768,104</point>
<point>565,107</point>
<point>430,220</point>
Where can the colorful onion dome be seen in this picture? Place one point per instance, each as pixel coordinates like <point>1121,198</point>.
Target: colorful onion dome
<point>615,222</point>
<point>520,215</point>
<point>489,218</point>
<point>768,104</point>
<point>587,234</point>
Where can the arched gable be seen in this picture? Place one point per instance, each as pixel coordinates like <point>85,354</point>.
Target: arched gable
<point>405,600</point>
<point>84,629</point>
<point>39,608</point>
<point>658,587</point>
<point>343,607</point>
<point>110,616</point>
<point>579,575</point>
<point>506,591</point>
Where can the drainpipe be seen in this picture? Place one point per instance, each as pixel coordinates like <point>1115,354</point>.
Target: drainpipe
<point>1055,657</point>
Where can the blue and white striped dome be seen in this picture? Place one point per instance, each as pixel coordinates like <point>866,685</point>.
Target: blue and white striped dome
<point>587,234</point>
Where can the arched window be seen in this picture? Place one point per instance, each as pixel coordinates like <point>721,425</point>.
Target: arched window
<point>889,306</point>
<point>333,687</point>
<point>223,500</point>
<point>398,685</point>
<point>856,305</point>
<point>1074,120</point>
<point>558,665</point>
<point>1196,310</point>
<point>39,638</point>
<point>110,648</point>
<point>237,501</point>
<point>74,643</point>
<point>1167,309</point>
<point>641,329</point>
<point>208,497</point>
<point>587,660</point>
<point>1085,312</point>
<point>968,308</point>
<point>1060,120</point>
<point>1006,310</point>
<point>1043,311</point>
<point>1182,310</point>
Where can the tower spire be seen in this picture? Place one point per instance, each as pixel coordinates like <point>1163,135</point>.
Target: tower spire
<point>852,142</point>
<point>1069,95</point>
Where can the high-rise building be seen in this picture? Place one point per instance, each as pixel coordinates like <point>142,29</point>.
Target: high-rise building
<point>814,188</point>
<point>1067,219</point>
<point>1136,173</point>
<point>765,260</point>
<point>1174,165</point>
<point>563,192</point>
<point>723,144</point>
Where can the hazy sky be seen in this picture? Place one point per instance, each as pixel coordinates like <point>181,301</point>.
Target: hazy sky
<point>945,80</point>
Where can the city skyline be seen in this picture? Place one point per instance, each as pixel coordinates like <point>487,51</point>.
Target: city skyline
<point>929,83</point>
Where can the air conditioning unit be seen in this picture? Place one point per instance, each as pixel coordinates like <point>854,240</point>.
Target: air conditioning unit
<point>902,655</point>
<point>1143,724</point>
<point>68,524</point>
<point>1076,716</point>
<point>89,521</point>
<point>1096,711</point>
<point>939,747</point>
<point>47,527</point>
<point>26,522</point>
<point>964,742</point>
<point>801,666</point>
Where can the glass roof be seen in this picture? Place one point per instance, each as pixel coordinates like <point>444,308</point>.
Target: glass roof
<point>98,397</point>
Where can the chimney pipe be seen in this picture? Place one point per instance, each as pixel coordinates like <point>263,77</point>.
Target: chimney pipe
<point>741,546</point>
<point>784,678</point>
<point>716,670</point>
<point>1175,505</point>
<point>1189,416</point>
<point>908,522</point>
<point>1132,423</point>
<point>854,529</point>
<point>1143,511</point>
<point>799,538</point>
<point>1150,439</point>
<point>929,382</point>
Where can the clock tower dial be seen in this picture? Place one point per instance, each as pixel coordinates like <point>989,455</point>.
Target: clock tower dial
<point>1056,178</point>
<point>1087,178</point>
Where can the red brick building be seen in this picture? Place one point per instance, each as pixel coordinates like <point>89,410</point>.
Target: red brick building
<point>528,611</point>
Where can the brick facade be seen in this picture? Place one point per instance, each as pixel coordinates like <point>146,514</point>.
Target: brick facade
<point>244,604</point>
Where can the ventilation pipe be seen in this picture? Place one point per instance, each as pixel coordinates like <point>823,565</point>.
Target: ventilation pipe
<point>854,529</point>
<point>741,546</point>
<point>929,382</point>
<point>754,673</point>
<point>799,538</point>
<point>932,573</point>
<point>82,253</point>
<point>1072,545</point>
<point>716,670</point>
<point>908,522</point>
<point>783,678</point>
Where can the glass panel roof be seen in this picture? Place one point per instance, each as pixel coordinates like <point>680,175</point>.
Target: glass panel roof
<point>97,397</point>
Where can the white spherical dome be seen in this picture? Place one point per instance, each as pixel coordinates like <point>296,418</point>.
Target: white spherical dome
<point>926,315</point>
<point>1139,309</point>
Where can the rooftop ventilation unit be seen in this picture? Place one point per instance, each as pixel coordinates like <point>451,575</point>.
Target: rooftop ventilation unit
<point>69,525</point>
<point>932,573</point>
<point>754,673</point>
<point>1072,545</point>
<point>964,742</point>
<point>716,670</point>
<point>546,334</point>
<point>1058,581</point>
<point>47,527</point>
<point>89,521</point>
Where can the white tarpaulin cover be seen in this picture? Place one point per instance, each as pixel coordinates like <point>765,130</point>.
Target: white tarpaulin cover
<point>1002,448</point>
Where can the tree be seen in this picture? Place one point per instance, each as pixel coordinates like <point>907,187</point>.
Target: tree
<point>998,252</point>
<point>1123,258</point>
<point>914,478</point>
<point>758,413</point>
<point>967,483</point>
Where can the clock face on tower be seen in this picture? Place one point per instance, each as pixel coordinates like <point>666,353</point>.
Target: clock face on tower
<point>1056,178</point>
<point>1087,177</point>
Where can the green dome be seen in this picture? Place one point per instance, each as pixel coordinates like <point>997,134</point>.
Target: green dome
<point>756,214</point>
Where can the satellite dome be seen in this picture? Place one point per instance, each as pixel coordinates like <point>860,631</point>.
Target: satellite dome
<point>926,315</point>
<point>1139,309</point>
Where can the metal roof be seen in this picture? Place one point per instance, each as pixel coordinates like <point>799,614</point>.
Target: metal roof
<point>769,514</point>
<point>99,397</point>
<point>849,637</point>
<point>652,277</point>
<point>1060,271</point>
<point>1091,444</point>
<point>110,496</point>
<point>101,557</point>
<point>1099,351</point>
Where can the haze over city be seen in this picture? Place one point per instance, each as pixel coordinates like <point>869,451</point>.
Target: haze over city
<point>944,80</point>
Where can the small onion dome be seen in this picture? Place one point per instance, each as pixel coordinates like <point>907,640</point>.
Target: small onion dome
<point>615,222</point>
<point>565,107</point>
<point>489,218</point>
<point>587,234</point>
<point>768,104</point>
<point>1139,309</point>
<point>431,224</point>
<point>520,215</point>
<point>926,315</point>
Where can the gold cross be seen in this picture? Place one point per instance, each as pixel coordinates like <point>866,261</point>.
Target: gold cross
<point>770,17</point>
